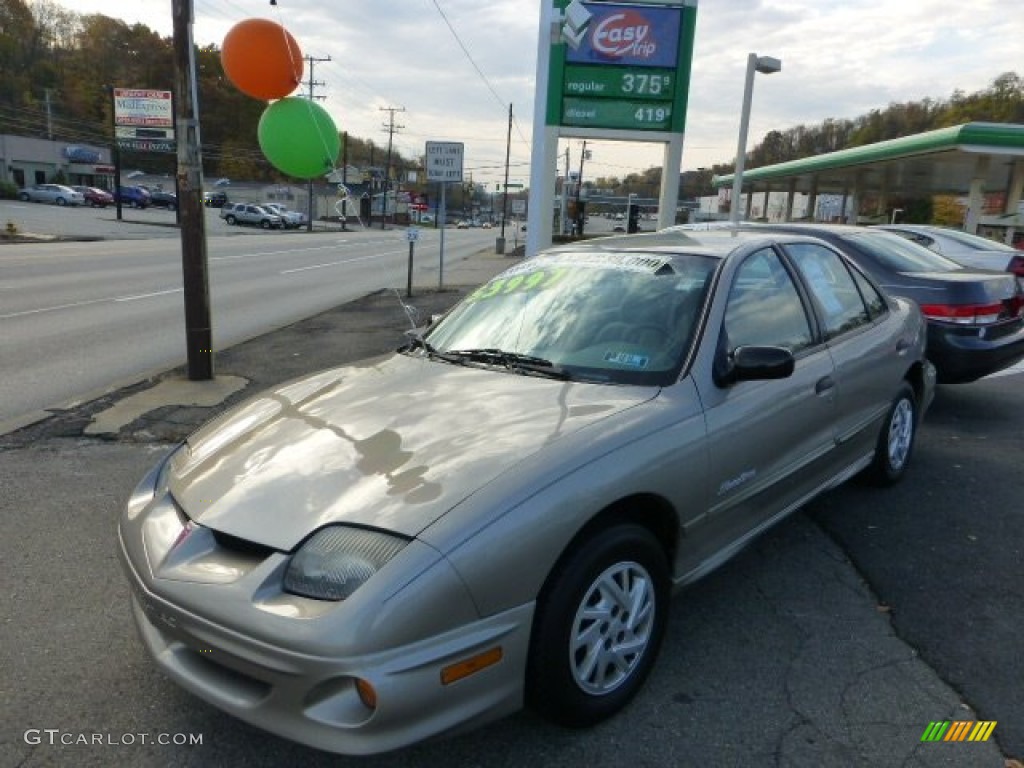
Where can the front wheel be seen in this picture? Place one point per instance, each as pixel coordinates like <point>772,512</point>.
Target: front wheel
<point>61,201</point>
<point>23,197</point>
<point>598,626</point>
<point>265,224</point>
<point>896,439</point>
<point>229,219</point>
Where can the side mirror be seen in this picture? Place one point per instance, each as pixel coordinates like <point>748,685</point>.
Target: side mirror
<point>754,364</point>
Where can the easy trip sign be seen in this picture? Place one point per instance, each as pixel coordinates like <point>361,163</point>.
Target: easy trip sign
<point>621,70</point>
<point>630,35</point>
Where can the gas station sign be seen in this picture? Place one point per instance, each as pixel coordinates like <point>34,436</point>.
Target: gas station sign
<point>623,67</point>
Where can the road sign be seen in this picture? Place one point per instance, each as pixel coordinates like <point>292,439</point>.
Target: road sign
<point>444,160</point>
<point>412,234</point>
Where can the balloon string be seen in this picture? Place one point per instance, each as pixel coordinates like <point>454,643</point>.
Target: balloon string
<point>298,79</point>
<point>293,51</point>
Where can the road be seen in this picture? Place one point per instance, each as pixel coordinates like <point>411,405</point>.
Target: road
<point>78,317</point>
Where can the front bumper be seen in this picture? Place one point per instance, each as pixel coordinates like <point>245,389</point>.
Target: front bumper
<point>293,674</point>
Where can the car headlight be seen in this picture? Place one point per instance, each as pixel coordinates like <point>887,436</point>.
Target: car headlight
<point>334,562</point>
<point>152,485</point>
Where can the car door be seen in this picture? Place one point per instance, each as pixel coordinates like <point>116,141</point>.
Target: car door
<point>864,340</point>
<point>770,443</point>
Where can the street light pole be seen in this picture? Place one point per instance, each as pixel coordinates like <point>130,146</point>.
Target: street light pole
<point>765,65</point>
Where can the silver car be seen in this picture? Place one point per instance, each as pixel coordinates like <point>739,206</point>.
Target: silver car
<point>497,514</point>
<point>962,247</point>
<point>292,219</point>
<point>250,213</point>
<point>57,194</point>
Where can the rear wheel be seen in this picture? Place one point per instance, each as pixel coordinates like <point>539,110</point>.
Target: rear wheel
<point>598,626</point>
<point>896,439</point>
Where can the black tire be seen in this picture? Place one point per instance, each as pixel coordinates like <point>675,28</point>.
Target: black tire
<point>265,224</point>
<point>229,219</point>
<point>61,201</point>
<point>23,197</point>
<point>895,440</point>
<point>562,684</point>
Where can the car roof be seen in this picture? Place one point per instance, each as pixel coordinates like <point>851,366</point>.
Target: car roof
<point>717,243</point>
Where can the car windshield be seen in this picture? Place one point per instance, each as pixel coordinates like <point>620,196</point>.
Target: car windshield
<point>901,255</point>
<point>617,318</point>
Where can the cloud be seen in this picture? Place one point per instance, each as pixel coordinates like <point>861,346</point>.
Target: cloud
<point>840,60</point>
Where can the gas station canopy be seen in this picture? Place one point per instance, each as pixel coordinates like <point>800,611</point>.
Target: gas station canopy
<point>971,159</point>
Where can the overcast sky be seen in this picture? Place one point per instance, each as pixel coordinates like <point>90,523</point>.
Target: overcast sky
<point>839,60</point>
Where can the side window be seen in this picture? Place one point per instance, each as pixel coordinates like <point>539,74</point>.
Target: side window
<point>764,306</point>
<point>832,286</point>
<point>874,300</point>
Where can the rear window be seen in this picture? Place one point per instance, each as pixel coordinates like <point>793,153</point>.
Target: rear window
<point>899,254</point>
<point>976,242</point>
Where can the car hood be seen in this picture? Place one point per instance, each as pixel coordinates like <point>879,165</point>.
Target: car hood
<point>393,445</point>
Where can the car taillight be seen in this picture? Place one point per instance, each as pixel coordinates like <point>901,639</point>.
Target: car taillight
<point>964,314</point>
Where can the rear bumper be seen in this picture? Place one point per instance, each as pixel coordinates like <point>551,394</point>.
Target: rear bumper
<point>962,355</point>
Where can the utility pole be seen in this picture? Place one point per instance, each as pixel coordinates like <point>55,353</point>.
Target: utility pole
<point>390,128</point>
<point>311,83</point>
<point>49,115</point>
<point>194,265</point>
<point>344,179</point>
<point>579,190</point>
<point>504,193</point>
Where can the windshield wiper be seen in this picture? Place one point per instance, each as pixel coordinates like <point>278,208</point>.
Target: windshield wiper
<point>513,361</point>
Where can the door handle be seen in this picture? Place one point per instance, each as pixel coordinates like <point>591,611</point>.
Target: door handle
<point>824,384</point>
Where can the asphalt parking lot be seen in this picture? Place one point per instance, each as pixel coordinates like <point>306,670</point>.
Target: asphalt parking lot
<point>834,640</point>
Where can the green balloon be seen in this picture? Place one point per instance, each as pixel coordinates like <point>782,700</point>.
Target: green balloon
<point>299,138</point>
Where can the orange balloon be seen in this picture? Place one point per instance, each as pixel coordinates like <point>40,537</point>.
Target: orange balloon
<point>262,59</point>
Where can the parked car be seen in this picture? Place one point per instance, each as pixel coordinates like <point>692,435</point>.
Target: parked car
<point>963,247</point>
<point>58,194</point>
<point>292,219</point>
<point>250,213</point>
<point>136,197</point>
<point>215,199</point>
<point>161,199</point>
<point>498,512</point>
<point>975,322</point>
<point>95,197</point>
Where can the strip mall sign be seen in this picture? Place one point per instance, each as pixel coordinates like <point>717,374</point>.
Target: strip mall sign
<point>141,107</point>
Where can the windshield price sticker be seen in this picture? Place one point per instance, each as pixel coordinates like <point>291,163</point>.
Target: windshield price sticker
<point>521,283</point>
